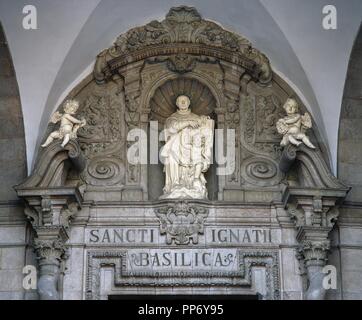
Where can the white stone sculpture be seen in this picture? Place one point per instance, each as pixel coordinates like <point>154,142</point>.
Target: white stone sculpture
<point>294,125</point>
<point>68,124</point>
<point>187,152</point>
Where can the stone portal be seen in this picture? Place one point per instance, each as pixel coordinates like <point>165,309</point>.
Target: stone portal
<point>100,228</point>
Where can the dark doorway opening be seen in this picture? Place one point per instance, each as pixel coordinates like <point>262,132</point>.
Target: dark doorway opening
<point>162,297</point>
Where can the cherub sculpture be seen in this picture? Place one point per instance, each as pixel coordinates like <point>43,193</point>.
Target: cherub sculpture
<point>294,125</point>
<point>68,124</point>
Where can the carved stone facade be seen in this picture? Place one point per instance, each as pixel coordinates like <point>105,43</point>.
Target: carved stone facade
<point>140,77</point>
<point>276,206</point>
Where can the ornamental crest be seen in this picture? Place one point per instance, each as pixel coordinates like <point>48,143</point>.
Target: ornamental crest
<point>182,222</point>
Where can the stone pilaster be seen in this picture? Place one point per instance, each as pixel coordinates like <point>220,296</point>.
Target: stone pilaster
<point>313,255</point>
<point>49,212</point>
<point>50,248</point>
<point>314,213</point>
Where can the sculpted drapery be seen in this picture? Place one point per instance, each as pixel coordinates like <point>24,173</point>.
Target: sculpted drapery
<point>187,153</point>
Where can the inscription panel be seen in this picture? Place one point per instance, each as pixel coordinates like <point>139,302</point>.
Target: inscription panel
<point>129,235</point>
<point>240,235</point>
<point>175,267</point>
<point>146,236</point>
<point>182,260</point>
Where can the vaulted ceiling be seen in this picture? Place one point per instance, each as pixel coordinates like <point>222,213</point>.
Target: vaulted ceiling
<point>51,60</point>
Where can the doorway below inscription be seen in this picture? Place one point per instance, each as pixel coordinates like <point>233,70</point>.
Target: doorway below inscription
<point>163,297</point>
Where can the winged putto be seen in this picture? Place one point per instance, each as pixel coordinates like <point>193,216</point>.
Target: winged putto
<point>68,124</point>
<point>294,125</point>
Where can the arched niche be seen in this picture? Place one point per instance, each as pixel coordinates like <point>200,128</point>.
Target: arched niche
<point>162,105</point>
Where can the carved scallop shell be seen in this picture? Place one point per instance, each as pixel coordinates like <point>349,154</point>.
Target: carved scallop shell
<point>163,102</point>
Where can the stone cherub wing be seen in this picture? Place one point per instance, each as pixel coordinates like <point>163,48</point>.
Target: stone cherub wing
<point>306,121</point>
<point>282,127</point>
<point>56,117</point>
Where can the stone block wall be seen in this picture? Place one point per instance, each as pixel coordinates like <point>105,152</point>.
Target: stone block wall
<point>14,252</point>
<point>348,237</point>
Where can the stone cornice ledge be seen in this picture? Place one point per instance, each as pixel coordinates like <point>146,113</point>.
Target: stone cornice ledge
<point>53,192</point>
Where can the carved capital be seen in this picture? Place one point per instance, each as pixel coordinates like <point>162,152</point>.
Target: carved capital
<point>182,222</point>
<point>313,256</point>
<point>51,230</point>
<point>50,216</point>
<point>49,208</point>
<point>315,252</point>
<point>313,245</point>
<point>311,207</point>
<point>50,250</point>
<point>314,217</point>
<point>314,212</point>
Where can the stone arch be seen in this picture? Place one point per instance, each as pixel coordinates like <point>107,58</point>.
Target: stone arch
<point>350,133</point>
<point>347,233</point>
<point>13,167</point>
<point>12,138</point>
